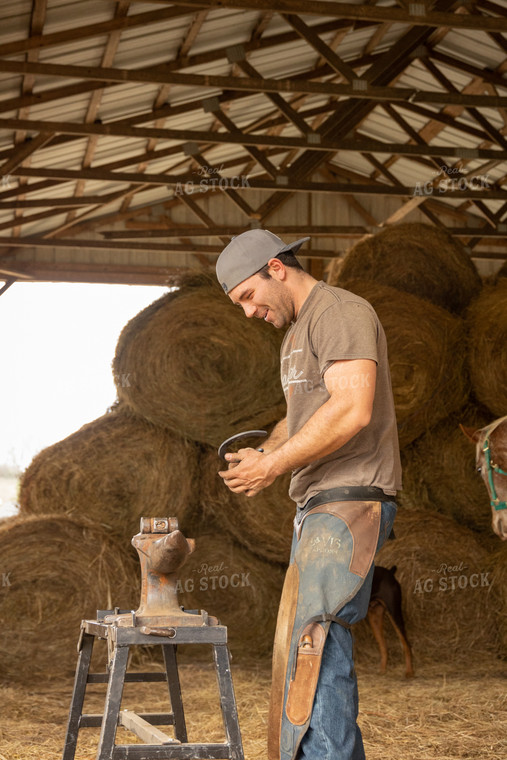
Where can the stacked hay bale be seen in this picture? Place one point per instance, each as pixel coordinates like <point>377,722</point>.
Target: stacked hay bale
<point>194,367</point>
<point>187,375</point>
<point>452,599</point>
<point>197,368</point>
<point>237,586</point>
<point>447,338</point>
<point>425,345</point>
<point>413,258</point>
<point>487,346</point>
<point>262,523</point>
<point>197,372</point>
<point>112,472</point>
<point>439,472</point>
<point>59,571</point>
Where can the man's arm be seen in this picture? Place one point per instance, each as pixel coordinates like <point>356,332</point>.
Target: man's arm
<point>279,436</point>
<point>351,387</point>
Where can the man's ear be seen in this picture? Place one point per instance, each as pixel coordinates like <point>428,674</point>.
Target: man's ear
<point>471,433</point>
<point>278,268</point>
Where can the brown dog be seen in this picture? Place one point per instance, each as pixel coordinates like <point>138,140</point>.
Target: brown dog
<point>386,597</point>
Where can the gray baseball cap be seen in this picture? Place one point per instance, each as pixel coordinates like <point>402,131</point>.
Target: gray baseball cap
<point>249,252</point>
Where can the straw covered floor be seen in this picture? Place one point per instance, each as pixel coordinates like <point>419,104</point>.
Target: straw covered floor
<point>449,711</point>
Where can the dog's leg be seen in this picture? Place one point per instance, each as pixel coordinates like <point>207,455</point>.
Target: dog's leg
<point>400,630</point>
<point>376,620</point>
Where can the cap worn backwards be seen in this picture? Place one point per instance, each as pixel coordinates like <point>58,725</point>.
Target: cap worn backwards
<point>247,253</point>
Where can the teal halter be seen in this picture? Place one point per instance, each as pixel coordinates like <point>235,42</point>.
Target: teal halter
<point>490,468</point>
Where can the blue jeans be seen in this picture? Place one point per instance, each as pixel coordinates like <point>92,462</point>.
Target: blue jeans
<point>333,733</point>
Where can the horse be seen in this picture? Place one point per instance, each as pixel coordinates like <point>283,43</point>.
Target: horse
<point>491,462</point>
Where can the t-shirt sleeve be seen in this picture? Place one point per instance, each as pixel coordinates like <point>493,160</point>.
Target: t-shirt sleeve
<point>345,330</point>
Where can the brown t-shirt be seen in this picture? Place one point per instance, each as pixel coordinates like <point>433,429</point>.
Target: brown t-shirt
<point>335,324</point>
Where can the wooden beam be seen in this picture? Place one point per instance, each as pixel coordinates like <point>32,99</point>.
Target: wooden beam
<point>108,245</point>
<point>228,231</point>
<point>308,34</point>
<point>280,103</point>
<point>418,14</point>
<point>69,202</point>
<point>144,730</point>
<point>122,9</point>
<point>23,151</point>
<point>8,283</point>
<point>386,69</point>
<point>69,271</point>
<point>187,183</point>
<point>359,89</point>
<point>93,30</point>
<point>315,142</point>
<point>159,75</point>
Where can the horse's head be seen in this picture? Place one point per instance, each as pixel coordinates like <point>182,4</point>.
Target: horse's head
<point>491,461</point>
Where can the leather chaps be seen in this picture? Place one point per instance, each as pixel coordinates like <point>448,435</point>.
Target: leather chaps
<point>332,551</point>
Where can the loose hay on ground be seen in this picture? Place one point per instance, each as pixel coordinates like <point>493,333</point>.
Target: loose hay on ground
<point>426,357</point>
<point>449,598</point>
<point>263,523</point>
<point>487,346</point>
<point>198,367</point>
<point>113,471</point>
<point>416,258</point>
<point>445,713</point>
<point>497,563</point>
<point>59,572</point>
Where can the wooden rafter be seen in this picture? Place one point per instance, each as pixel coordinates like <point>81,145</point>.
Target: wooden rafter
<point>416,15</point>
<point>333,104</point>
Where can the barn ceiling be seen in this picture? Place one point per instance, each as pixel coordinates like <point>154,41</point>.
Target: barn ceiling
<point>137,137</point>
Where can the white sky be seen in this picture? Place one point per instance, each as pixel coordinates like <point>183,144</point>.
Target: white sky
<point>57,344</point>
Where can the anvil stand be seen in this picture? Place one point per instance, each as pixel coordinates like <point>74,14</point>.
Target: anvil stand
<point>159,621</point>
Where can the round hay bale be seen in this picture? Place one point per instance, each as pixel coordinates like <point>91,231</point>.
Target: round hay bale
<point>439,473</point>
<point>426,357</point>
<point>236,586</point>
<point>262,523</point>
<point>55,572</point>
<point>112,472</point>
<point>487,347</point>
<point>498,568</point>
<point>420,259</point>
<point>446,583</point>
<point>197,366</point>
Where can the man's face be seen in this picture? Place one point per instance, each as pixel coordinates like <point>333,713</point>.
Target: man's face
<point>264,298</point>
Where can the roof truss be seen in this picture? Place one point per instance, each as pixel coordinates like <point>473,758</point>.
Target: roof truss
<point>227,113</point>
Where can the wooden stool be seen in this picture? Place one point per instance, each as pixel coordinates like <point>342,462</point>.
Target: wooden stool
<point>158,745</point>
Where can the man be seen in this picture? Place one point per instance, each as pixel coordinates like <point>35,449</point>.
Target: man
<point>339,441</point>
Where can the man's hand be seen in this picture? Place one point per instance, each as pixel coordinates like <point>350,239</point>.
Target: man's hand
<point>250,474</point>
